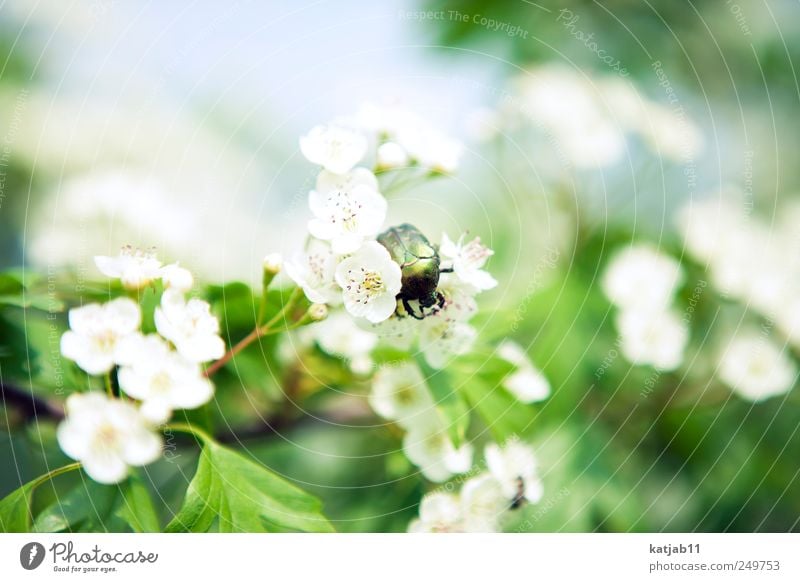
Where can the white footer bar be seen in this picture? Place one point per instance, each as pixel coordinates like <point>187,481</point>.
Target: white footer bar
<point>406,558</point>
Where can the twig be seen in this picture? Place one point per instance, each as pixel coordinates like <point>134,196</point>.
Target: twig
<point>31,406</point>
<point>258,332</point>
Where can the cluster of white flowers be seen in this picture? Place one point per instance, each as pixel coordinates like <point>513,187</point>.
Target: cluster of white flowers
<point>526,383</point>
<point>755,367</point>
<point>641,282</point>
<point>400,394</point>
<point>137,268</point>
<point>405,139</point>
<point>747,259</point>
<point>752,262</point>
<point>344,264</point>
<point>162,371</point>
<point>590,116</point>
<point>512,478</point>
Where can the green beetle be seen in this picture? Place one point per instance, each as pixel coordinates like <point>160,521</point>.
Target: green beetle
<point>420,265</point>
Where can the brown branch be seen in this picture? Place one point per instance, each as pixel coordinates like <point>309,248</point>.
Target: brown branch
<point>31,406</point>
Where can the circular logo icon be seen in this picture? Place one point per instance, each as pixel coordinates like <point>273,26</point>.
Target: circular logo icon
<point>31,555</point>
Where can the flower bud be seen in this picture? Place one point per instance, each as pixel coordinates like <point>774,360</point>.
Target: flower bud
<point>272,266</point>
<point>273,263</point>
<point>392,155</point>
<point>317,311</point>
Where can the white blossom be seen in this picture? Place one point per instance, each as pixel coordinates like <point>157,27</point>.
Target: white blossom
<point>162,379</point>
<point>526,383</point>
<point>438,513</point>
<point>444,333</point>
<point>95,332</point>
<point>337,149</point>
<point>370,281</point>
<point>400,393</point>
<point>430,148</point>
<point>313,270</point>
<point>756,368</point>
<point>177,278</point>
<point>467,261</point>
<point>515,468</point>
<point>391,155</point>
<point>568,107</point>
<point>397,332</point>
<point>340,335</point>
<point>415,137</point>
<point>346,217</point>
<point>107,436</point>
<point>135,268</point>
<point>427,445</point>
<point>191,326</point>
<point>707,225</point>
<point>483,502</point>
<point>640,277</point>
<point>655,338</point>
<point>329,182</point>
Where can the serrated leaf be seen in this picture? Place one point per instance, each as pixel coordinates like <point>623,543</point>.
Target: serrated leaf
<point>243,496</point>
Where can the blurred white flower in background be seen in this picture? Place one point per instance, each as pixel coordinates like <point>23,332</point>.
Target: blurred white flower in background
<point>642,278</point>
<point>103,210</point>
<point>483,503</point>
<point>161,379</point>
<point>641,282</point>
<point>514,467</point>
<point>136,268</point>
<point>107,436</point>
<point>438,513</point>
<point>189,325</point>
<point>413,139</point>
<point>654,338</point>
<point>339,335</point>
<point>755,368</point>
<point>96,331</point>
<point>370,282</point>
<point>427,445</point>
<point>177,278</point>
<point>442,337</point>
<point>391,155</point>
<point>400,393</point>
<point>589,117</point>
<point>748,258</point>
<point>484,499</point>
<point>526,383</point>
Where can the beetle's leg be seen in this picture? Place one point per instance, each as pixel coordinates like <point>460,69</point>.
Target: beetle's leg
<point>410,311</point>
<point>447,270</point>
<point>440,297</point>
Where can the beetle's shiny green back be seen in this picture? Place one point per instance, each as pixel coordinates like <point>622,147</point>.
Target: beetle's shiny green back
<point>417,258</point>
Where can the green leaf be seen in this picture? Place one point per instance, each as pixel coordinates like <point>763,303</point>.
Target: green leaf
<point>93,507</point>
<point>136,507</point>
<point>450,406</point>
<point>504,415</point>
<point>243,496</point>
<point>15,508</point>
